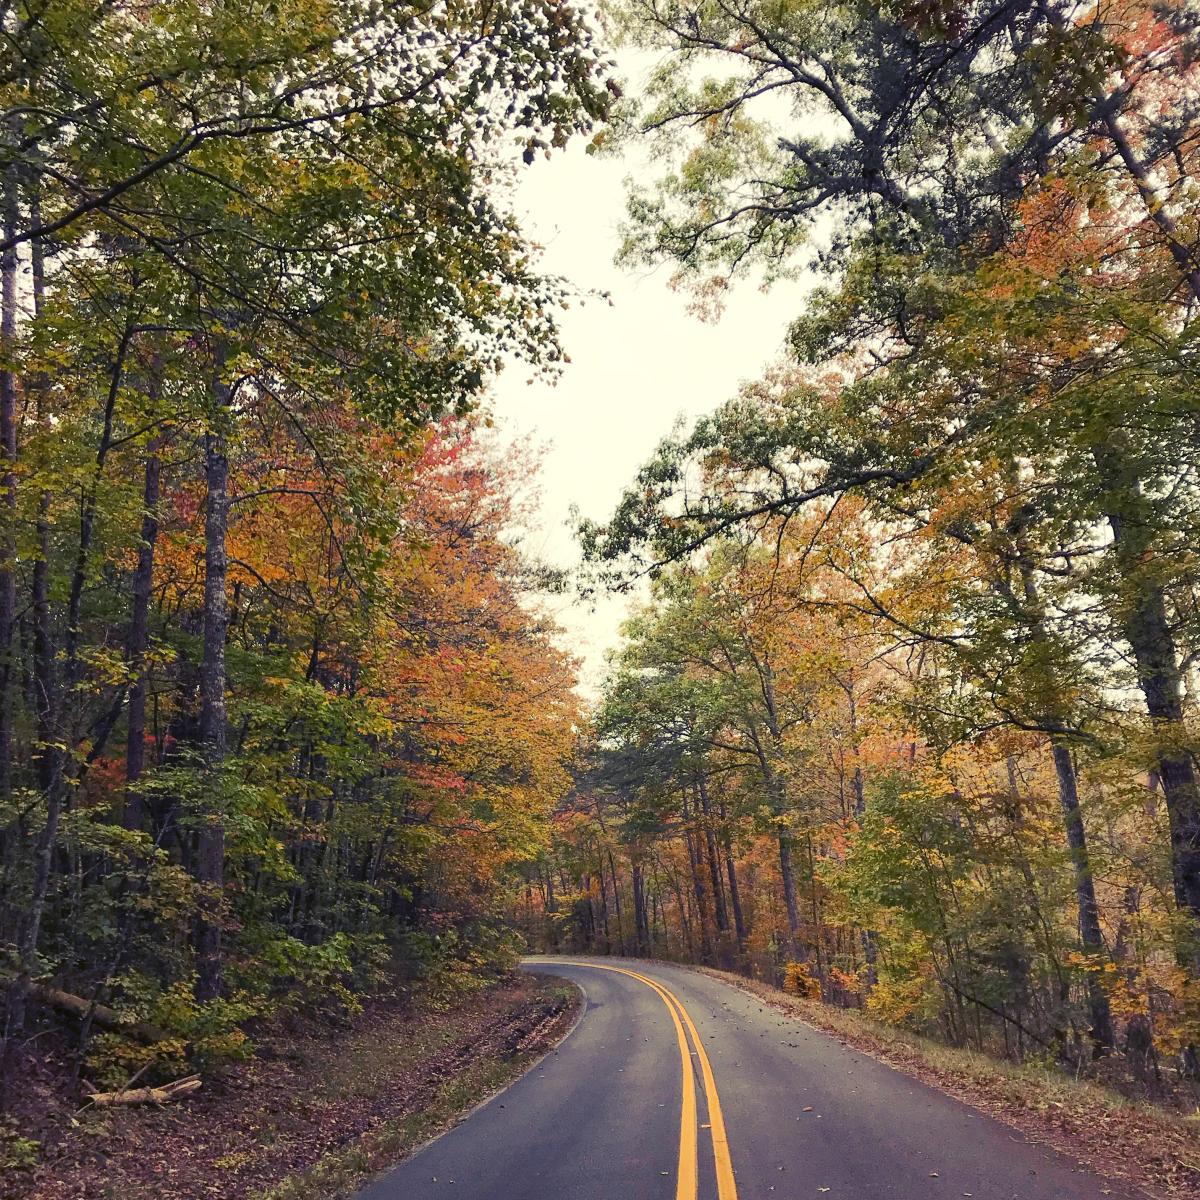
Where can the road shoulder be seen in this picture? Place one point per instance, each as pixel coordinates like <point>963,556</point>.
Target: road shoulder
<point>325,1115</point>
<point>1154,1150</point>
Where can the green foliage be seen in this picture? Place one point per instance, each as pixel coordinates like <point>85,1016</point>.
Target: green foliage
<point>197,1035</point>
<point>327,979</point>
<point>277,695</point>
<point>17,1153</point>
<point>447,965</point>
<point>912,850</point>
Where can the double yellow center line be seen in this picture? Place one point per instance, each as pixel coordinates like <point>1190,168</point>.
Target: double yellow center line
<point>687,1182</point>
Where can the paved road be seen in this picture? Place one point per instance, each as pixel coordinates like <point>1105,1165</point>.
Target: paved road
<point>675,1086</point>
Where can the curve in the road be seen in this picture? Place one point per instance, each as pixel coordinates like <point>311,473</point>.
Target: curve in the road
<point>603,1116</point>
<point>687,1182</point>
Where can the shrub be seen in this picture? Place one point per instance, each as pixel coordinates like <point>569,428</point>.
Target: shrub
<point>198,1036</point>
<point>799,981</point>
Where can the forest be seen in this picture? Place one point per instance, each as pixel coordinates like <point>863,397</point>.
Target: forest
<point>276,709</point>
<point>907,718</point>
<point>903,717</point>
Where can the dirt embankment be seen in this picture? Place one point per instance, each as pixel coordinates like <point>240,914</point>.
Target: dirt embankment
<point>316,1114</point>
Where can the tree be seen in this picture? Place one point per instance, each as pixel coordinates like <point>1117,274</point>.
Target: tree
<point>271,252</point>
<point>1000,299</point>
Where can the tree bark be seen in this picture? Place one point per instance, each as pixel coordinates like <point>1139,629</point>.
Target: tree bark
<point>87,518</point>
<point>714,862</point>
<point>1090,933</point>
<point>8,479</point>
<point>1088,910</point>
<point>640,917</point>
<point>790,902</point>
<point>612,870</point>
<point>608,947</point>
<point>695,865</point>
<point>49,755</point>
<point>1147,628</point>
<point>816,911</point>
<point>46,688</point>
<point>735,895</point>
<point>139,639</point>
<point>775,790</point>
<point>30,926</point>
<point>210,847</point>
<point>84,1009</point>
<point>148,1095</point>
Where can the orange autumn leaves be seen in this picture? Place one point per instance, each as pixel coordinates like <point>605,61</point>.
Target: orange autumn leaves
<point>384,573</point>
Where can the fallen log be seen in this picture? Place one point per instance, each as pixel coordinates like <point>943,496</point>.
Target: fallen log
<point>149,1095</point>
<point>77,1006</point>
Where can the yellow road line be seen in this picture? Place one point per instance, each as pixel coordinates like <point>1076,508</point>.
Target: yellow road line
<point>687,1183</point>
<point>726,1187</point>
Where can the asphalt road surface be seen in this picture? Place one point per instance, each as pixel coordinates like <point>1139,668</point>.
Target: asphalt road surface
<point>676,1086</point>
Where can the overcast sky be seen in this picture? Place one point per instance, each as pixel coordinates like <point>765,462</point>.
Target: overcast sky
<point>636,366</point>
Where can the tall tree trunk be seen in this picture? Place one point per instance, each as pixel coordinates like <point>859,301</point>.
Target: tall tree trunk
<point>685,916</point>
<point>612,870</point>
<point>1149,634</point>
<point>87,516</point>
<point>1147,628</point>
<point>658,917</point>
<point>790,903</point>
<point>1068,797</point>
<point>714,867</point>
<point>46,689</point>
<point>8,480</point>
<point>608,948</point>
<point>640,918</point>
<point>1015,822</point>
<point>735,894</point>
<point>71,666</point>
<point>210,846</point>
<point>816,911</point>
<point>694,863</point>
<point>30,927</point>
<point>1090,933</point>
<point>49,755</point>
<point>550,908</point>
<point>869,938</point>
<point>775,790</point>
<point>139,638</point>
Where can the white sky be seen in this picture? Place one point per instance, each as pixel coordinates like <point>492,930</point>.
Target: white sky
<point>636,366</point>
